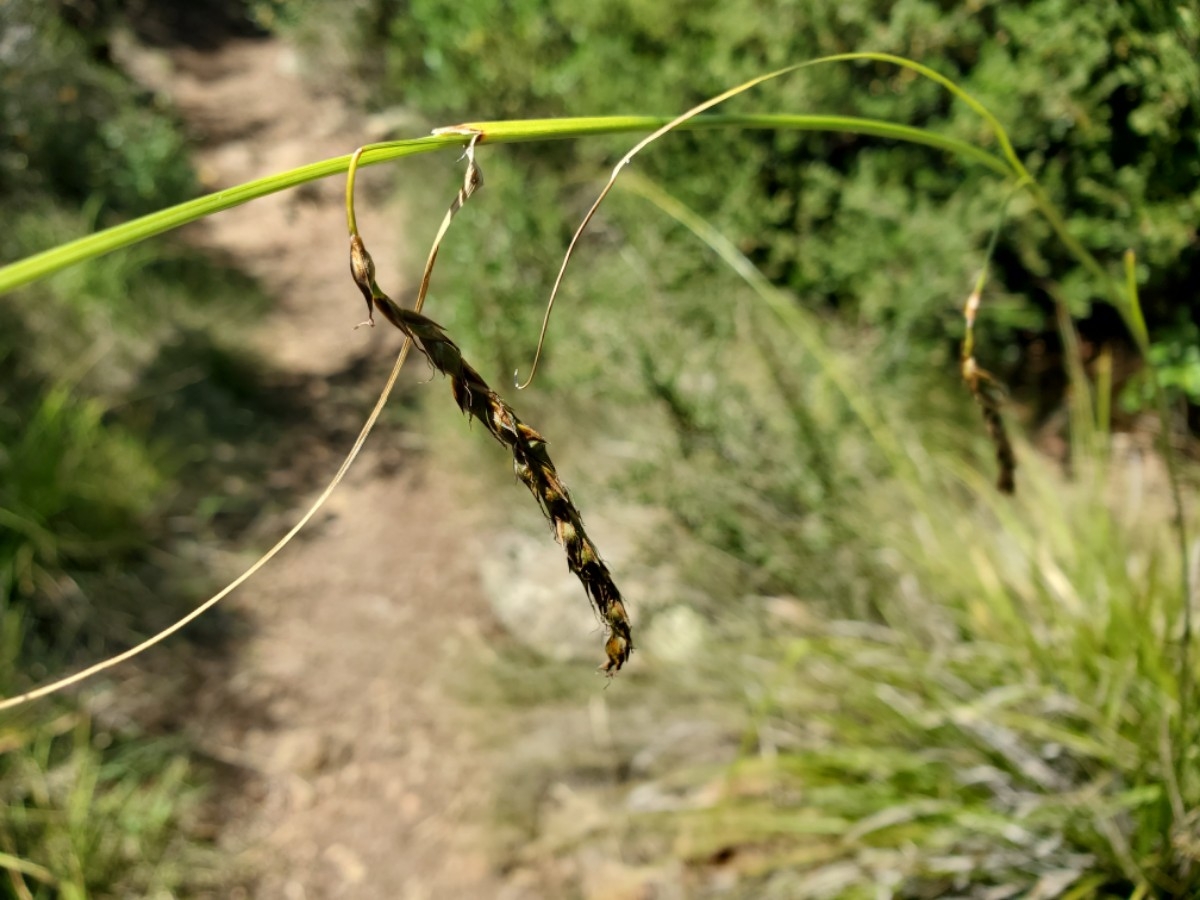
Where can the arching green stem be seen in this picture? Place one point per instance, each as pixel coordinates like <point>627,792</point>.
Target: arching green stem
<point>40,265</point>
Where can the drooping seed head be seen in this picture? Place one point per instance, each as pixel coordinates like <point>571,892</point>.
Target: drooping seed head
<point>617,617</point>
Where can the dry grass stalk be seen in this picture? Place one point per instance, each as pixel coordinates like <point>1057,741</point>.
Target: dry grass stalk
<point>531,461</point>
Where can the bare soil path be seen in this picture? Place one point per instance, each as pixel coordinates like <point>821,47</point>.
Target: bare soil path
<point>364,779</point>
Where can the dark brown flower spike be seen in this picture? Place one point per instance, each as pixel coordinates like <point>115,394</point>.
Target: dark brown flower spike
<point>474,397</point>
<point>532,464</point>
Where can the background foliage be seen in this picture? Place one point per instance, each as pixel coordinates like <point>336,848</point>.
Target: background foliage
<point>115,380</point>
<point>1102,101</point>
<point>935,712</point>
<point>883,241</point>
<point>1006,677</point>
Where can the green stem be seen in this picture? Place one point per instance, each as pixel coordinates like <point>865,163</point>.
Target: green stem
<point>351,174</point>
<point>46,263</point>
<point>1111,286</point>
<point>968,345</point>
<point>42,264</point>
<point>1138,324</point>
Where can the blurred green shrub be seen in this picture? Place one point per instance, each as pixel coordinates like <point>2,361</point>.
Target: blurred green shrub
<point>75,128</point>
<point>90,452</point>
<point>1102,99</point>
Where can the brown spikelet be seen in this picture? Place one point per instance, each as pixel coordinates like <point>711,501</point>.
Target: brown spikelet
<point>362,270</point>
<point>1006,459</point>
<point>987,394</point>
<point>532,464</point>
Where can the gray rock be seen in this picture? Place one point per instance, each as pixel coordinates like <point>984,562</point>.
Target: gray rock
<point>535,596</point>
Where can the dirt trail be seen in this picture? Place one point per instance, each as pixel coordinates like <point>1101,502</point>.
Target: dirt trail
<point>365,780</point>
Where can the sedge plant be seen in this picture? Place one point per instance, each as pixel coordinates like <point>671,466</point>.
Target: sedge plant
<point>533,467</point>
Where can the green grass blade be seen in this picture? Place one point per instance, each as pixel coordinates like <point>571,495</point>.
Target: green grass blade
<point>42,264</point>
<point>1137,322</point>
<point>783,305</point>
<point>551,129</point>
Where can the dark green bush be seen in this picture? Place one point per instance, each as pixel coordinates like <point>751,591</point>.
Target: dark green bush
<point>73,127</point>
<point>1102,100</point>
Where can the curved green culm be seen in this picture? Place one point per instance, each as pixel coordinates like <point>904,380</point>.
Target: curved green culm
<point>48,262</point>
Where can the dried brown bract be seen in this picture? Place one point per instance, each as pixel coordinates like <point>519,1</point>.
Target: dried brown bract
<point>362,269</point>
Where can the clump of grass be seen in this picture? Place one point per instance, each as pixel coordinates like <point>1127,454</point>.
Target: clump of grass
<point>87,810</point>
<point>92,813</point>
<point>1001,724</point>
<point>1009,726</point>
